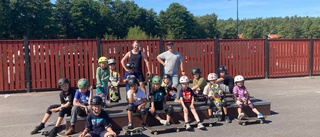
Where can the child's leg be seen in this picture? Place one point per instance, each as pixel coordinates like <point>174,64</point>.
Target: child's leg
<point>195,114</point>
<point>48,113</point>
<point>185,116</point>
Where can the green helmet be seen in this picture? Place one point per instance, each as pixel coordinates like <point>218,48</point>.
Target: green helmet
<point>156,80</point>
<point>82,83</point>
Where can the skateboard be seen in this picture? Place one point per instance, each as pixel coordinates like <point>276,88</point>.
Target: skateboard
<point>154,129</point>
<point>245,120</point>
<point>149,84</point>
<point>217,113</point>
<point>134,131</point>
<point>62,134</point>
<point>114,95</point>
<point>210,122</point>
<point>45,131</point>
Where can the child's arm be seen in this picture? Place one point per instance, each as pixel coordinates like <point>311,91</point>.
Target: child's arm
<point>98,78</point>
<point>84,132</point>
<point>109,129</point>
<point>91,94</point>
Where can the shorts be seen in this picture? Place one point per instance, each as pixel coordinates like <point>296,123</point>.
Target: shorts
<point>187,104</point>
<point>98,135</point>
<point>159,106</point>
<point>174,80</point>
<point>135,109</point>
<point>140,77</point>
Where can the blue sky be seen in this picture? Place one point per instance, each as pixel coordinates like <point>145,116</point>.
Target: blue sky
<point>247,8</point>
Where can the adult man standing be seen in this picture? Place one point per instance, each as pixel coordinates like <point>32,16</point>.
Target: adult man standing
<point>136,56</point>
<point>171,65</point>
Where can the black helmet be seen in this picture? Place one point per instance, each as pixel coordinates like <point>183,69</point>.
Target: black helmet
<point>130,65</point>
<point>196,71</point>
<point>132,81</point>
<point>166,76</point>
<point>62,81</point>
<point>222,68</point>
<point>96,100</point>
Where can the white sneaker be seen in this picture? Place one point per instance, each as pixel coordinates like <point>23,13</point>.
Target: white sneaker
<point>176,100</point>
<point>240,116</point>
<point>167,123</point>
<point>200,126</point>
<point>188,126</point>
<point>163,122</point>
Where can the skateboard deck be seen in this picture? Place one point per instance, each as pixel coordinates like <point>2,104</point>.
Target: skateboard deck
<point>114,95</point>
<point>134,131</point>
<point>149,84</point>
<point>177,127</point>
<point>62,134</point>
<point>45,131</point>
<point>210,122</point>
<point>245,120</point>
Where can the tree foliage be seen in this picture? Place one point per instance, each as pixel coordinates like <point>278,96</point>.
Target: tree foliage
<point>117,19</point>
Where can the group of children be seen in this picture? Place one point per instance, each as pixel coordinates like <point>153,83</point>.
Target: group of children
<point>82,102</point>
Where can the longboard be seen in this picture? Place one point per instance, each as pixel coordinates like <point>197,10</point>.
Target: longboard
<point>45,131</point>
<point>131,132</point>
<point>62,134</point>
<point>177,127</point>
<point>245,120</point>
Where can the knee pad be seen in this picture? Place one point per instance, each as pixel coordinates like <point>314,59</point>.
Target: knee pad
<point>143,111</point>
<point>170,111</point>
<point>224,103</point>
<point>131,107</point>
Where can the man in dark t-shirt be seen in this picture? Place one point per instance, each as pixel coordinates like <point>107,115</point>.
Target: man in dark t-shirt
<point>225,80</point>
<point>66,99</point>
<point>136,56</point>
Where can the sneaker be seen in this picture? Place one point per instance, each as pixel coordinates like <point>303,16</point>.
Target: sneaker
<point>188,127</point>
<point>130,126</point>
<point>260,115</point>
<point>163,122</point>
<point>174,95</point>
<point>167,123</point>
<point>240,116</point>
<point>143,125</point>
<point>70,131</point>
<point>53,132</point>
<point>37,129</point>
<point>200,126</point>
<point>176,100</point>
<point>227,119</point>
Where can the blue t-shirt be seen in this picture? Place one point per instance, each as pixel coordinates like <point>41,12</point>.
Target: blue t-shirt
<point>99,123</point>
<point>82,97</point>
<point>130,74</point>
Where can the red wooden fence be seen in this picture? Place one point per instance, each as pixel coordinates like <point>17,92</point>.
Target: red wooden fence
<point>289,57</point>
<point>12,65</point>
<point>53,59</point>
<point>316,57</point>
<point>243,57</point>
<point>75,59</point>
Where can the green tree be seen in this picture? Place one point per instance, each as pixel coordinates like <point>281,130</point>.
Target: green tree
<point>207,26</point>
<point>136,33</point>
<point>177,22</point>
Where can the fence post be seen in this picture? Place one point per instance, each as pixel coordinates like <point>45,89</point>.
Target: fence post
<point>311,47</point>
<point>27,63</point>
<point>161,47</point>
<point>266,57</point>
<point>99,49</point>
<point>216,53</point>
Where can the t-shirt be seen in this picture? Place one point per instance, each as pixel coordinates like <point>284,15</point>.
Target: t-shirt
<point>228,80</point>
<point>97,124</point>
<point>201,82</point>
<point>82,97</point>
<point>172,60</point>
<point>137,97</point>
<point>186,95</point>
<point>137,60</point>
<point>114,76</point>
<point>158,97</point>
<point>102,73</point>
<point>65,98</point>
<point>240,93</point>
<point>128,74</point>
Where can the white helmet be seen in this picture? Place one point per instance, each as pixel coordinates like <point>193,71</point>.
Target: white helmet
<point>238,78</point>
<point>184,79</point>
<point>111,61</point>
<point>212,76</point>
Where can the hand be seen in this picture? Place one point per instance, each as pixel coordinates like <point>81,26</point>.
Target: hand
<point>192,106</point>
<point>152,110</point>
<point>164,64</point>
<point>82,134</point>
<point>113,134</point>
<point>183,73</point>
<point>91,88</point>
<point>86,109</point>
<point>99,85</point>
<point>102,79</point>
<point>127,69</point>
<point>139,107</point>
<point>54,110</point>
<point>148,73</point>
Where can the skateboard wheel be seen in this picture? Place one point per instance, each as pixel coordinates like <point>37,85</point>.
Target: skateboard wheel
<point>244,123</point>
<point>155,133</point>
<point>178,130</point>
<point>140,133</point>
<point>210,125</point>
<point>261,122</point>
<point>131,134</point>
